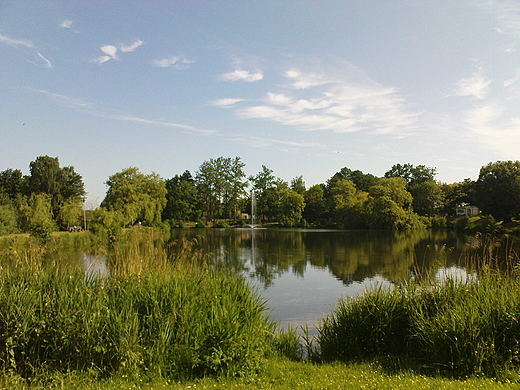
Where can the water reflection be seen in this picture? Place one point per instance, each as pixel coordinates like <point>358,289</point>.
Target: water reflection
<point>303,273</point>
<point>350,256</point>
<point>95,266</point>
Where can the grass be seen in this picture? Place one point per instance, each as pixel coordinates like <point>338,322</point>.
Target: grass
<point>167,318</point>
<point>171,316</point>
<point>278,373</point>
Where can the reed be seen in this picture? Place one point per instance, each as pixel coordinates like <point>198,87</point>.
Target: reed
<point>458,327</point>
<point>158,314</point>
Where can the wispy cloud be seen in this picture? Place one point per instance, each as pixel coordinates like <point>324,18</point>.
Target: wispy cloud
<point>509,82</point>
<point>507,14</point>
<point>177,62</point>
<point>475,86</point>
<point>110,51</point>
<point>93,108</point>
<point>16,41</point>
<point>319,103</point>
<point>132,47</point>
<point>226,102</point>
<point>489,125</point>
<point>161,123</point>
<point>303,80</point>
<point>47,62</point>
<point>244,75</point>
<point>67,23</point>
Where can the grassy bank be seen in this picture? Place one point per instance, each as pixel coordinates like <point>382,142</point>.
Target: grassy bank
<point>165,317</point>
<point>170,316</point>
<point>277,374</point>
<point>455,328</point>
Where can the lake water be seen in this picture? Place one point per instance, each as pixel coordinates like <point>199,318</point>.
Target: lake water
<point>303,273</point>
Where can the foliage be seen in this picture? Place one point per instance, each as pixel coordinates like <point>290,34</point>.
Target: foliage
<point>428,198</point>
<point>497,189</point>
<point>61,184</point>
<point>181,198</point>
<point>315,203</point>
<point>412,174</point>
<point>155,315</point>
<point>220,186</point>
<point>136,196</point>
<point>463,328</point>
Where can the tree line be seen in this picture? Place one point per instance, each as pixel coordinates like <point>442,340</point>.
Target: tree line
<point>407,196</point>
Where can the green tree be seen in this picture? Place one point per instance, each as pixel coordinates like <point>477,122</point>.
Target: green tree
<point>35,214</point>
<point>138,197</point>
<point>62,184</point>
<point>12,182</point>
<point>412,174</point>
<point>390,205</point>
<point>428,198</point>
<point>315,203</point>
<point>457,194</point>
<point>349,204</point>
<point>220,185</point>
<point>362,181</point>
<point>8,215</point>
<point>71,212</point>
<point>263,183</point>
<point>181,198</point>
<point>298,185</point>
<point>289,207</point>
<point>497,190</point>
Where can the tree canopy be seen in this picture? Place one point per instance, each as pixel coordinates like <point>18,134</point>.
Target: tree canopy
<point>138,197</point>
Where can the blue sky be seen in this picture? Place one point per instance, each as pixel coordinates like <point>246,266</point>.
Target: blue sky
<point>303,87</point>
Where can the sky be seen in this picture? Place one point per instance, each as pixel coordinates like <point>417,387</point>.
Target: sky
<point>303,87</point>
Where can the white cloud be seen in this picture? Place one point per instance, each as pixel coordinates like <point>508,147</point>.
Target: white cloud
<point>16,42</point>
<point>244,75</point>
<point>47,62</point>
<point>303,80</point>
<point>475,86</point>
<point>161,123</point>
<point>111,51</point>
<point>226,102</point>
<point>341,106</point>
<point>179,63</point>
<point>509,82</point>
<point>67,23</point>
<point>92,108</point>
<point>132,47</point>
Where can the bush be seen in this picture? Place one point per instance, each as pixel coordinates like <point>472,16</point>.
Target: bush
<point>155,317</point>
<point>461,328</point>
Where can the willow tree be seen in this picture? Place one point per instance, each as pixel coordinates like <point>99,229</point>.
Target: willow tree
<point>136,196</point>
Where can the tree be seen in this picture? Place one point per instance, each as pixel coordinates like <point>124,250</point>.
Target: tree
<point>298,185</point>
<point>315,203</point>
<point>35,214</point>
<point>428,198</point>
<point>262,184</point>
<point>412,175</point>
<point>349,204</point>
<point>62,184</point>
<point>12,182</point>
<point>363,181</point>
<point>289,207</point>
<point>220,185</point>
<point>457,194</point>
<point>138,197</point>
<point>181,197</point>
<point>390,205</point>
<point>497,190</point>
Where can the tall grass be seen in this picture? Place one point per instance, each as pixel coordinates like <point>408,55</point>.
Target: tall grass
<point>157,314</point>
<point>457,327</point>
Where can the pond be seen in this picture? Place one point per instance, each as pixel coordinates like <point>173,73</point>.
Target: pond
<point>303,273</point>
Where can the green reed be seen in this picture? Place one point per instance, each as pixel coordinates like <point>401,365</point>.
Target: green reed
<point>456,327</point>
<point>159,313</point>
